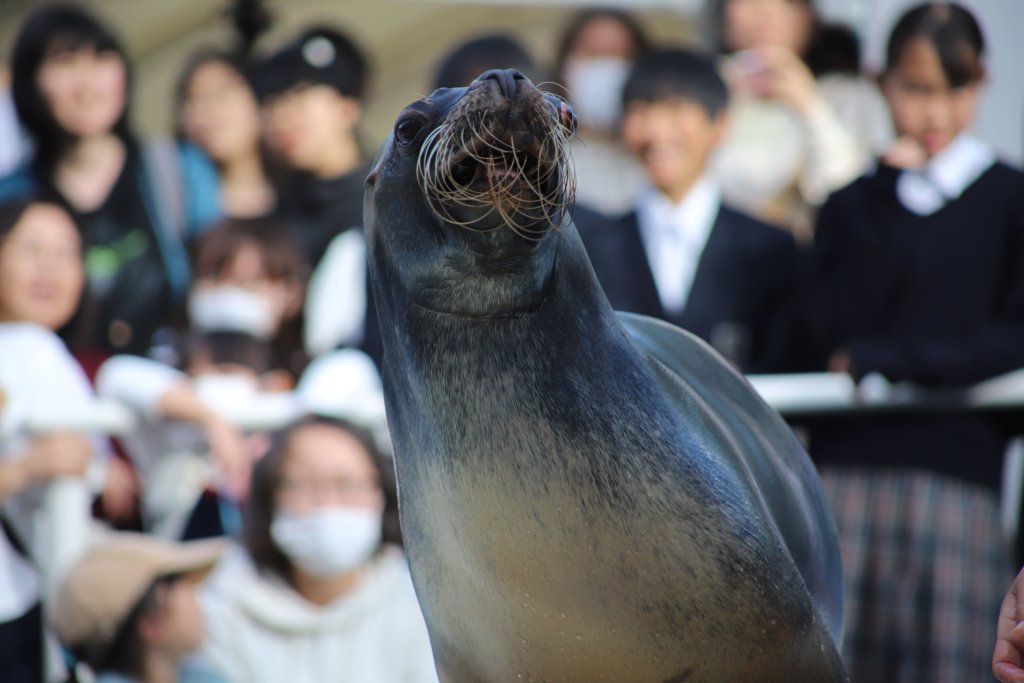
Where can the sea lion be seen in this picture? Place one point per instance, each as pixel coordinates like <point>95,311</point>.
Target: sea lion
<point>584,496</point>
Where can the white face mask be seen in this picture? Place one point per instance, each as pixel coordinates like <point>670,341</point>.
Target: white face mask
<point>595,87</point>
<point>328,541</point>
<point>226,308</point>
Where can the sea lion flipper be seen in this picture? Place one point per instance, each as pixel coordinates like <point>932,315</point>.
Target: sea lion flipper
<point>779,470</point>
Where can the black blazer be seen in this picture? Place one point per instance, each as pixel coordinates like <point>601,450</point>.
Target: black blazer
<point>743,295</point>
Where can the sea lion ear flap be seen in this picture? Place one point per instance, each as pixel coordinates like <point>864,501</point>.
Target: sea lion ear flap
<point>371,178</point>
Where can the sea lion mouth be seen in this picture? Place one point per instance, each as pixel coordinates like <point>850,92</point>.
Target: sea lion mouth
<point>500,164</point>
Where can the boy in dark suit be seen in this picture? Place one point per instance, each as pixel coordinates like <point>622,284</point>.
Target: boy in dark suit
<point>681,255</point>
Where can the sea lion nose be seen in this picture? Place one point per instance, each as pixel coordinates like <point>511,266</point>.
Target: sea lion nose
<point>508,80</point>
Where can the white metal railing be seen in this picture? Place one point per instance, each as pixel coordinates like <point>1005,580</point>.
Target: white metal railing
<point>793,395</point>
<point>826,393</point>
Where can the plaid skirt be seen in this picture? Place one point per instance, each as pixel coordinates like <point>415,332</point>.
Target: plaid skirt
<point>925,570</point>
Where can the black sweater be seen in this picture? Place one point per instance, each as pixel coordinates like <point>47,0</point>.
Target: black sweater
<point>936,300</point>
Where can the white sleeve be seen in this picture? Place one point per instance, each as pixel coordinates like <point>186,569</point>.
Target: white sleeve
<point>139,383</point>
<point>39,375</point>
<point>43,380</point>
<point>833,157</point>
<point>335,309</point>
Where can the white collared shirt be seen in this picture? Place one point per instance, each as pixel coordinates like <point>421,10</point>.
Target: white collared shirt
<point>674,236</point>
<point>946,175</point>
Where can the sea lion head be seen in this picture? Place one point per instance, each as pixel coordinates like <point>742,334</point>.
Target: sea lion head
<point>463,199</point>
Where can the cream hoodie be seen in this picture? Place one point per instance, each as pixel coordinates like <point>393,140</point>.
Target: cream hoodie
<point>260,630</point>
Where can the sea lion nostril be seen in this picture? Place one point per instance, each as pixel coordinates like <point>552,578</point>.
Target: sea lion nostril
<point>507,80</point>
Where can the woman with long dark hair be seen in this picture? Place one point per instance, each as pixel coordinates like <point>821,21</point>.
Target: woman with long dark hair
<point>136,202</point>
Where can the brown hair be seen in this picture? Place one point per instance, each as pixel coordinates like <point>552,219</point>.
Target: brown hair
<point>281,256</point>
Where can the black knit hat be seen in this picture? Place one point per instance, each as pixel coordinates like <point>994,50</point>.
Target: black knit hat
<point>319,56</point>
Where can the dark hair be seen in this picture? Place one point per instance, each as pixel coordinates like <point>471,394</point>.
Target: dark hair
<point>126,653</point>
<point>950,28</point>
<point>266,479</point>
<point>677,72</point>
<point>572,31</point>
<point>342,65</point>
<point>836,51</point>
<point>473,57</point>
<point>12,211</point>
<point>228,347</point>
<point>281,256</point>
<point>50,29</point>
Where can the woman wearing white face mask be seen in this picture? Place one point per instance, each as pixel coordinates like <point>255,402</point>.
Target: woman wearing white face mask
<point>594,57</point>
<point>316,594</point>
<point>241,344</point>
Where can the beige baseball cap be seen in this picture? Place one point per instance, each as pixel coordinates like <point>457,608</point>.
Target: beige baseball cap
<point>101,589</point>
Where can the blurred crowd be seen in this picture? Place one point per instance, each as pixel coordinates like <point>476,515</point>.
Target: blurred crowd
<point>762,192</point>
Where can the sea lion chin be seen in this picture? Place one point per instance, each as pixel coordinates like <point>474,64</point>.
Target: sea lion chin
<point>584,495</point>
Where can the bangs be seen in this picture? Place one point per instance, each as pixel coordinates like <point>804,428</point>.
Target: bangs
<point>69,42</point>
<point>960,63</point>
<point>68,29</point>
<point>952,31</point>
<point>279,255</point>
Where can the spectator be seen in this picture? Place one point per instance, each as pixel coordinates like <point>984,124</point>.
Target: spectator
<point>250,277</point>
<point>918,275</point>
<point>787,147</point>
<point>134,202</point>
<point>469,59</point>
<point>248,285</point>
<point>595,52</point>
<point>682,255</point>
<point>128,609</point>
<point>42,476</point>
<point>218,112</point>
<point>311,92</point>
<point>313,576</point>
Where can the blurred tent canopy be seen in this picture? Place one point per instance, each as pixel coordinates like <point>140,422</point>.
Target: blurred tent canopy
<point>404,39</point>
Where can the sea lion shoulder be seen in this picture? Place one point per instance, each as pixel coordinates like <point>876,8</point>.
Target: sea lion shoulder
<point>775,465</point>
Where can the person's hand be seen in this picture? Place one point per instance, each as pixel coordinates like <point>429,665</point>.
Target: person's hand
<point>905,153</point>
<point>776,73</point>
<point>1009,650</point>
<point>63,454</point>
<point>840,362</point>
<point>120,495</point>
<point>231,454</point>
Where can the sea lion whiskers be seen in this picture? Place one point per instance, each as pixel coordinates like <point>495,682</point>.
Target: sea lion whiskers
<point>505,178</point>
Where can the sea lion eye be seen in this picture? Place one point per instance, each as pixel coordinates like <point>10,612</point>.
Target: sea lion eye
<point>406,130</point>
